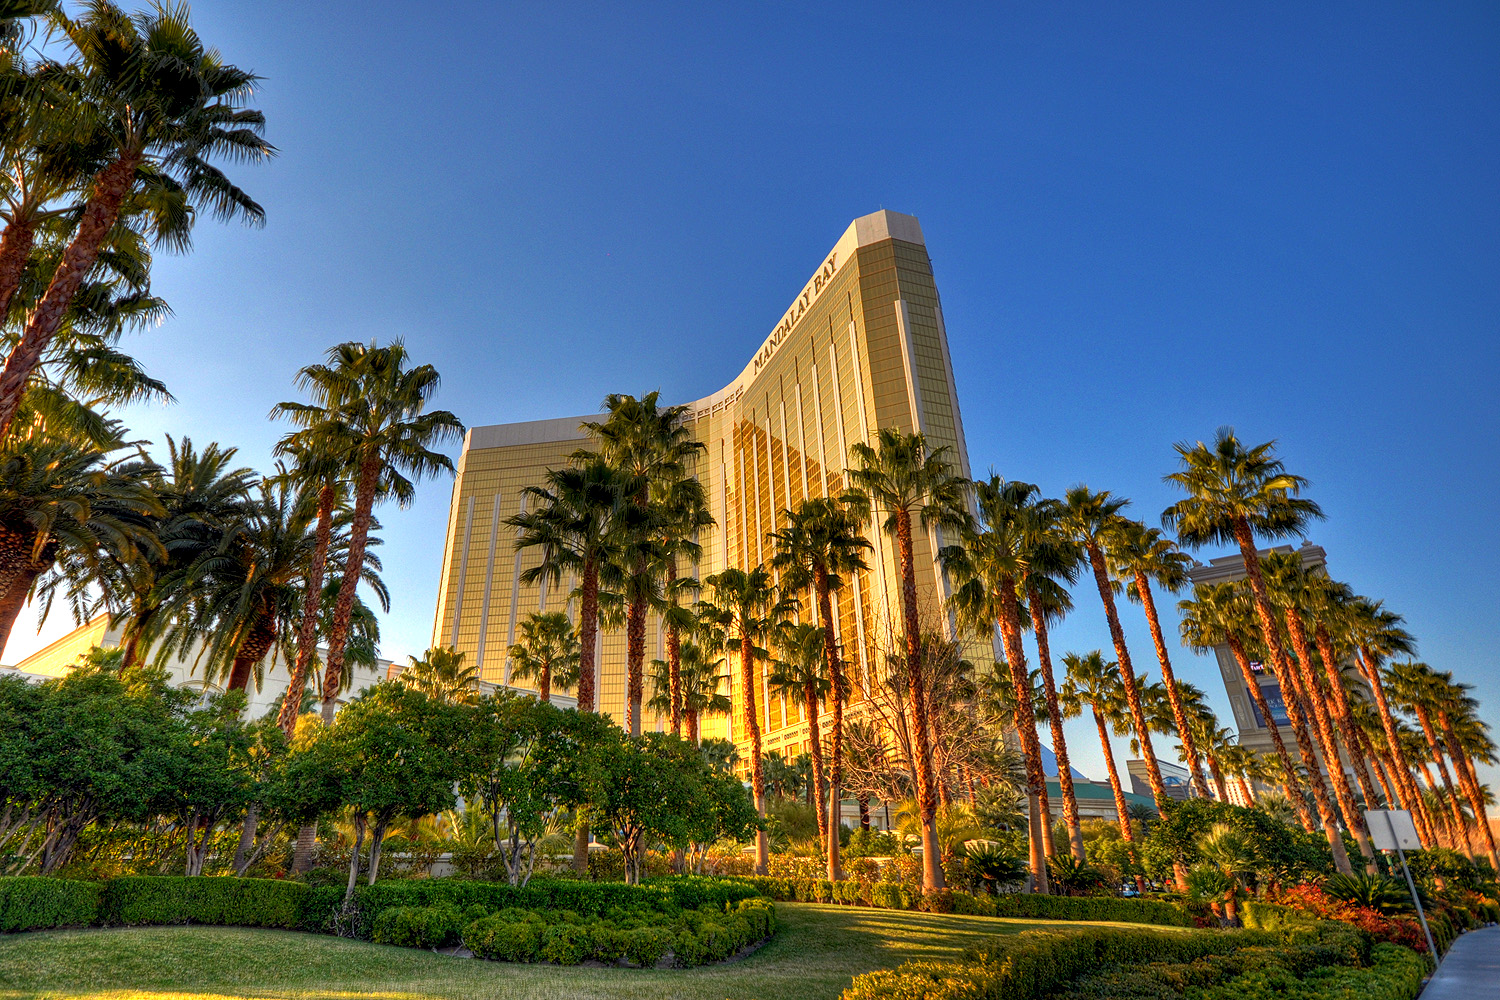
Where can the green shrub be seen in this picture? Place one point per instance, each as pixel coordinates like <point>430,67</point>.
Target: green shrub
<point>645,946</point>
<point>33,902</point>
<point>890,896</point>
<point>234,902</point>
<point>503,940</point>
<point>610,943</point>
<point>418,926</point>
<point>566,944</point>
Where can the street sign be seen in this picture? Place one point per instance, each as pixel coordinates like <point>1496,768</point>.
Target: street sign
<point>1392,828</point>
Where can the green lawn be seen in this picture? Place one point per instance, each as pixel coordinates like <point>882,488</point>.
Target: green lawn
<point>814,955</point>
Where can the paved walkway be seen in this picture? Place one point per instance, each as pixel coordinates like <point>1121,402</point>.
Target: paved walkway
<point>1470,970</point>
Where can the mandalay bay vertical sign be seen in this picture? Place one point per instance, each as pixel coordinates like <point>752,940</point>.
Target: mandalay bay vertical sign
<point>798,309</point>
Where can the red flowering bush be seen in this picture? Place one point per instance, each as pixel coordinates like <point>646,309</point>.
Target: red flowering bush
<point>1310,899</point>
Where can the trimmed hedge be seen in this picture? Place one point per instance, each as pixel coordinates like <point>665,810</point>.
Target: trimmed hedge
<point>234,902</point>
<point>895,896</point>
<point>31,902</point>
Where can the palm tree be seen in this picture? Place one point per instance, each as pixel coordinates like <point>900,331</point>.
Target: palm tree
<point>988,568</point>
<point>1324,598</point>
<point>1094,519</point>
<point>1228,850</point>
<point>165,104</point>
<point>1218,614</point>
<point>800,672</point>
<point>653,444</point>
<point>906,479</point>
<point>578,520</point>
<point>1094,683</point>
<point>744,609</point>
<point>1287,583</point>
<point>1239,763</point>
<point>368,416</point>
<point>1137,556</point>
<point>548,652</point>
<point>442,675</point>
<point>1456,710</point>
<point>1051,558</point>
<point>1418,688</point>
<point>698,683</point>
<point>1234,496</point>
<point>822,544</point>
<point>682,507</point>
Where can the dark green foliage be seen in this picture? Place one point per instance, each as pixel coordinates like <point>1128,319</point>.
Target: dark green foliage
<point>30,903</point>
<point>1280,853</point>
<point>418,926</point>
<point>566,944</point>
<point>994,868</point>
<point>504,940</point>
<point>236,902</point>
<point>1380,893</point>
<point>645,946</point>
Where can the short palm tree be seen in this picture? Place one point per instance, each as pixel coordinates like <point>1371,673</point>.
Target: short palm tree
<point>908,480</point>
<point>800,671</point>
<point>1139,556</point>
<point>1095,684</point>
<point>577,521</point>
<point>744,609</point>
<point>1236,495</point>
<point>546,653</point>
<point>164,104</point>
<point>822,544</point>
<point>699,679</point>
<point>369,415</point>
<point>442,675</point>
<point>1229,851</point>
<point>1238,762</point>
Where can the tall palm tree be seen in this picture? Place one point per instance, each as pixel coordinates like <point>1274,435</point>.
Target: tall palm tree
<point>988,568</point>
<point>1218,614</point>
<point>1418,688</point>
<point>166,105</point>
<point>442,675</point>
<point>744,609</point>
<point>1236,495</point>
<point>548,652</point>
<point>1287,583</point>
<point>1464,737</point>
<point>1137,556</point>
<point>653,444</point>
<point>682,508</point>
<point>578,521</point>
<point>699,679</point>
<point>1094,683</point>
<point>369,414</point>
<point>1094,519</point>
<point>800,671</point>
<point>1323,599</point>
<point>907,479</point>
<point>822,544</point>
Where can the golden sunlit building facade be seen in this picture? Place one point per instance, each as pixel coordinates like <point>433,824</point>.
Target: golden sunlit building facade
<point>861,347</point>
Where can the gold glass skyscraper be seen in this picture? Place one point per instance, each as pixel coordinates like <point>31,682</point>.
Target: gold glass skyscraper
<point>861,347</point>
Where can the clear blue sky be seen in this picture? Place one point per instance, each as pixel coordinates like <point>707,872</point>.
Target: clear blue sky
<point>1146,221</point>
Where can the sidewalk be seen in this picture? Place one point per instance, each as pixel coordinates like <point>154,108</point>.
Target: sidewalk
<point>1470,970</point>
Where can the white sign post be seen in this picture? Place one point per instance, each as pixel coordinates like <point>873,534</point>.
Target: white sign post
<point>1393,830</point>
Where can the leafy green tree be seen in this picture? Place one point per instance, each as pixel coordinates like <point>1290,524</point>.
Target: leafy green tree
<point>369,414</point>
<point>211,773</point>
<point>1234,496</point>
<point>907,480</point>
<point>394,752</point>
<point>165,105</point>
<point>547,653</point>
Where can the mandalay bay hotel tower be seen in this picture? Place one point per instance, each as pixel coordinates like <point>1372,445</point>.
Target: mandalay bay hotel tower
<point>861,347</point>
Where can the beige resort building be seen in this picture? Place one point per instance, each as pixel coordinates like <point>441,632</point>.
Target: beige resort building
<point>862,346</point>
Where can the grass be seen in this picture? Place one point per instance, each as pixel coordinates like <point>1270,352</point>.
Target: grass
<point>814,955</point>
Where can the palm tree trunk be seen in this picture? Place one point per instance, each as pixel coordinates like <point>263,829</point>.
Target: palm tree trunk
<point>1354,820</point>
<point>12,601</point>
<point>588,632</point>
<point>815,740</point>
<point>1218,777</point>
<point>1391,799</point>
<point>1401,773</point>
<point>1122,811</point>
<point>674,651</point>
<point>932,869</point>
<point>1127,675</point>
<point>252,650</point>
<point>757,768</point>
<point>1245,789</point>
<point>15,251</point>
<point>1469,781</point>
<point>307,631</point>
<point>692,724</point>
<point>1341,713</point>
<point>1280,664</point>
<point>343,608</point>
<point>835,665</point>
<point>1292,786</point>
<point>635,660</point>
<point>544,682</point>
<point>111,185</point>
<point>1179,714</point>
<point>1460,822</point>
<point>1031,748</point>
<point>1059,741</point>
